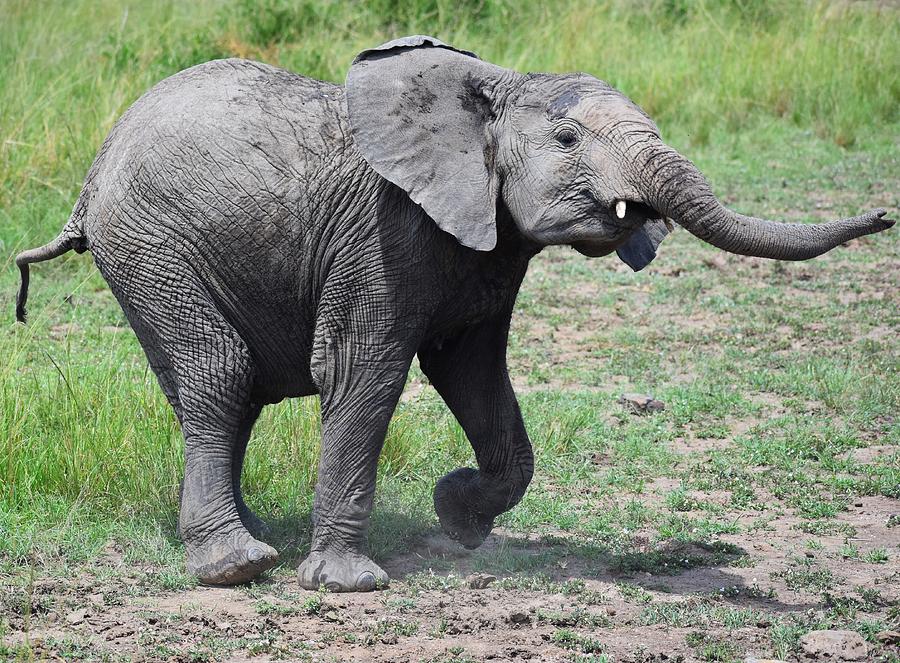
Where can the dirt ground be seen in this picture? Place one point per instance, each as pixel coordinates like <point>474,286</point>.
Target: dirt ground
<point>429,615</point>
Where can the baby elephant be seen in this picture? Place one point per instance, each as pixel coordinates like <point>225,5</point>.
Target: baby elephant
<point>271,236</point>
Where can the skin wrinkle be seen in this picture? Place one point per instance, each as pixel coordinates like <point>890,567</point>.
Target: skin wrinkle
<point>263,248</point>
<point>261,181</point>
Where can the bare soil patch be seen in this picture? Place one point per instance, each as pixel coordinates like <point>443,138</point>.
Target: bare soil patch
<point>429,613</point>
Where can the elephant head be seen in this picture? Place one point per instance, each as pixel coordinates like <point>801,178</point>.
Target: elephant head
<point>573,160</point>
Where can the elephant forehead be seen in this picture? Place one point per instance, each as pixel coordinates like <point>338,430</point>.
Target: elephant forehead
<point>589,101</point>
<point>602,113</point>
<point>565,102</point>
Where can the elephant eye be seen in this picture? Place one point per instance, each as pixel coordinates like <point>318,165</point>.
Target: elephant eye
<point>566,137</point>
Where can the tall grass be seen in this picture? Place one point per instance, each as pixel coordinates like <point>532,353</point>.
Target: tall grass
<point>85,422</point>
<point>67,70</point>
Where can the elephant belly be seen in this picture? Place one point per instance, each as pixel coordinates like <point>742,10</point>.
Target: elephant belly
<point>269,307</point>
<point>281,359</point>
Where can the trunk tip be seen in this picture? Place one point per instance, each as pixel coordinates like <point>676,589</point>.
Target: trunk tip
<point>877,218</point>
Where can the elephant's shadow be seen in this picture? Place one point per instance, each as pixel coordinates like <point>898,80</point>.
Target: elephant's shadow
<point>413,549</point>
<point>406,544</point>
<point>409,547</point>
<point>394,532</point>
<point>691,569</point>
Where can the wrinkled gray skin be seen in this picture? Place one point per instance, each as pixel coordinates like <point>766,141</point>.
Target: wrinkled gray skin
<point>271,236</point>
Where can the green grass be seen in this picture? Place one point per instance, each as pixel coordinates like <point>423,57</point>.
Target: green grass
<point>568,639</point>
<point>774,375</point>
<point>712,648</point>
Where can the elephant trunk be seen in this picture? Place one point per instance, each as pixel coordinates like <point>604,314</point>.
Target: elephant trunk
<point>675,188</point>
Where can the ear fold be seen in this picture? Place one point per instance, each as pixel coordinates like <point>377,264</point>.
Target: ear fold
<point>639,249</point>
<point>419,113</point>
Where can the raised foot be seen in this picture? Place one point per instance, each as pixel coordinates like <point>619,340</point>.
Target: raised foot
<point>341,572</point>
<point>229,560</point>
<point>459,519</point>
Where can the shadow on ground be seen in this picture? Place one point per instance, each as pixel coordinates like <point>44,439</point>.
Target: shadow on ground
<point>679,568</point>
<point>406,547</point>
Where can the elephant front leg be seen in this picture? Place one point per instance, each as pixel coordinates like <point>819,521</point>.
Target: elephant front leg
<point>360,391</point>
<point>470,374</point>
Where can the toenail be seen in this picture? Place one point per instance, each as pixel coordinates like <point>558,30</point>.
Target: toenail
<point>255,554</point>
<point>366,581</point>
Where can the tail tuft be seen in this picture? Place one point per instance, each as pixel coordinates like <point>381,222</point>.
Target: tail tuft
<point>22,295</point>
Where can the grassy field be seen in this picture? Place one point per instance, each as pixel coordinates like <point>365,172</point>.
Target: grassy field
<point>762,503</point>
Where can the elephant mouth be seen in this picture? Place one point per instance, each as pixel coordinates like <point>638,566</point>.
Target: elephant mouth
<point>620,212</point>
<point>636,214</point>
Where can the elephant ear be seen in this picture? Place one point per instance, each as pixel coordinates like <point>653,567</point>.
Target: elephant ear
<point>639,249</point>
<point>419,113</point>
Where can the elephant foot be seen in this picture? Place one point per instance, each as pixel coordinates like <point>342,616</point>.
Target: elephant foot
<point>229,559</point>
<point>341,572</point>
<point>452,495</point>
<point>251,522</point>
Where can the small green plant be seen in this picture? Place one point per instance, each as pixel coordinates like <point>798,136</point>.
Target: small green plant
<point>440,629</point>
<point>804,574</point>
<point>877,556</point>
<point>785,637</point>
<point>849,551</point>
<point>826,527</point>
<point>711,648</point>
<point>570,640</point>
<point>699,612</point>
<point>680,500</point>
<point>401,604</point>
<point>633,593</point>
<point>266,607</point>
<point>576,617</point>
<point>314,604</point>
<point>871,597</point>
<point>754,591</point>
<point>743,496</point>
<point>395,626</point>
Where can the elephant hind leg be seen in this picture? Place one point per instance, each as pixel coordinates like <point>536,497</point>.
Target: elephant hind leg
<point>254,524</point>
<point>215,381</point>
<point>207,373</point>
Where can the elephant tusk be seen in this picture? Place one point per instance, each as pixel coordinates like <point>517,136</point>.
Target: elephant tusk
<point>620,209</point>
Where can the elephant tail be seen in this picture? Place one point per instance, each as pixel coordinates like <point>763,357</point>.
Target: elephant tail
<point>70,238</point>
